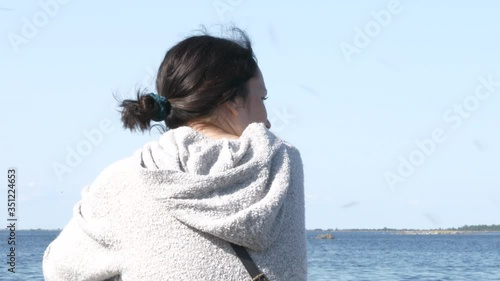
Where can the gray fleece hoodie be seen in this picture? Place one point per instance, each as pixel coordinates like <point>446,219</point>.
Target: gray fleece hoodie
<point>168,212</point>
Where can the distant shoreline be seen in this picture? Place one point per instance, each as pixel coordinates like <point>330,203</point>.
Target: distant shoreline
<point>36,229</point>
<point>409,232</point>
<point>467,229</point>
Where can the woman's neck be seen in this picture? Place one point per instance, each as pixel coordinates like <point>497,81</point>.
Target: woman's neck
<point>214,132</point>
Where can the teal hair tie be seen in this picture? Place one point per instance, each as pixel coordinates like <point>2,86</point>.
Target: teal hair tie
<point>163,105</point>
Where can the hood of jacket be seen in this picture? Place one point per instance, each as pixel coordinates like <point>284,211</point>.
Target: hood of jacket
<point>233,189</point>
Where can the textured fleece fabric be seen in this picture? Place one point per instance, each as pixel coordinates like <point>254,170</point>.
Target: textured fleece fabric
<point>167,212</point>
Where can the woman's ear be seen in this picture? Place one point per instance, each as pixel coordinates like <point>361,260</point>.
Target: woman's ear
<point>232,106</point>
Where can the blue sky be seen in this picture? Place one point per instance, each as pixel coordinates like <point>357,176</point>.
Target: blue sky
<point>394,105</point>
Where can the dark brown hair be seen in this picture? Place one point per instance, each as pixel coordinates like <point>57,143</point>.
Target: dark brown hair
<point>197,75</point>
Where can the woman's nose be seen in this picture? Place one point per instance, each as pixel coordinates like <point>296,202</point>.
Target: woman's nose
<point>268,124</point>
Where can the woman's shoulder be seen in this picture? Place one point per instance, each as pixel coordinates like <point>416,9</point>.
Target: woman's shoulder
<point>114,178</point>
<point>297,166</point>
<point>119,167</point>
<point>291,149</point>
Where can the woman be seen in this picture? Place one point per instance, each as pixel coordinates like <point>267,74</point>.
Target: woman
<point>216,186</point>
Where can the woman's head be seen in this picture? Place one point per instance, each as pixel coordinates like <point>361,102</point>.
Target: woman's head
<point>209,81</point>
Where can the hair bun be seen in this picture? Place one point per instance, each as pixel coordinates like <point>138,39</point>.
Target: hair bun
<point>163,107</point>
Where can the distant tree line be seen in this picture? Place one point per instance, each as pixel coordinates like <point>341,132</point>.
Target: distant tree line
<point>480,227</point>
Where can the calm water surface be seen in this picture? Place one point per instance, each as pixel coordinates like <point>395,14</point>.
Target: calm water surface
<point>386,256</point>
<point>367,256</point>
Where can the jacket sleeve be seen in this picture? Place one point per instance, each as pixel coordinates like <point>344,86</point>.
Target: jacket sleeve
<point>86,249</point>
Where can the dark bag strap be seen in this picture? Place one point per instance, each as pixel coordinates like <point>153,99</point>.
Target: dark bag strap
<point>247,261</point>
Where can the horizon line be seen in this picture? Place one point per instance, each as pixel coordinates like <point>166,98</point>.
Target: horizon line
<point>316,228</point>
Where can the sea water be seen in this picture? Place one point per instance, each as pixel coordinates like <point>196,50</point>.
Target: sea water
<point>370,256</point>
